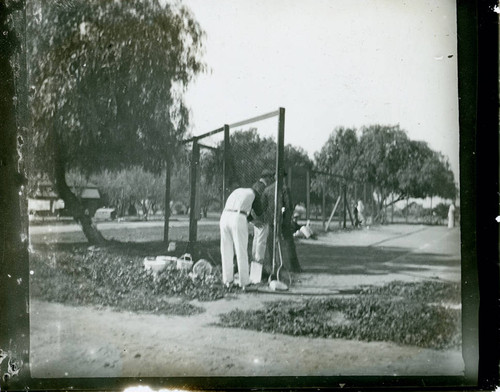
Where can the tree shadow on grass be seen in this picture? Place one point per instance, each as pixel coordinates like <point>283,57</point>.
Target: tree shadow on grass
<point>313,258</point>
<point>346,260</point>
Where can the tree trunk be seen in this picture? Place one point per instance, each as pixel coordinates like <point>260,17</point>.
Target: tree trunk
<point>74,205</point>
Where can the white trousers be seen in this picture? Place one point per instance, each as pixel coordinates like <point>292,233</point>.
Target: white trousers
<point>234,238</point>
<point>259,243</point>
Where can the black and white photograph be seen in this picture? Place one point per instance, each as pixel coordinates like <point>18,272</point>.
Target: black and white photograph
<point>242,189</point>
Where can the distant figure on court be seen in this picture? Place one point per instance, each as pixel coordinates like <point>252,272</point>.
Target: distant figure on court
<point>234,233</point>
<point>357,223</point>
<point>296,226</point>
<point>361,213</point>
<point>451,216</point>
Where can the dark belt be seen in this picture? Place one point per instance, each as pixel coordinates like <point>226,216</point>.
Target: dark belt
<point>241,212</point>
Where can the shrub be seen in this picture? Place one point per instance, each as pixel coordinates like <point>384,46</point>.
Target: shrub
<point>395,312</point>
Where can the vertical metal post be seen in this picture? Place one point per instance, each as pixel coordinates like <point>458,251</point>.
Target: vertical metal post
<point>308,194</point>
<point>345,205</point>
<point>323,204</point>
<point>278,194</point>
<point>225,166</point>
<point>167,199</point>
<point>193,221</point>
<point>341,196</point>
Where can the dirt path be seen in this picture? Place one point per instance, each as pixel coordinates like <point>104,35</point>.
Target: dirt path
<point>88,342</point>
<point>71,341</point>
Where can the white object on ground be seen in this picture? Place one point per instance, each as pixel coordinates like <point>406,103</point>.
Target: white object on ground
<point>202,268</point>
<point>276,285</point>
<point>156,264</point>
<point>185,262</point>
<point>255,272</point>
<point>306,231</point>
<point>170,261</point>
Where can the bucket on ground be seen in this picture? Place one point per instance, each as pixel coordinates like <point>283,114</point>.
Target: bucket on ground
<point>185,262</point>
<point>156,264</point>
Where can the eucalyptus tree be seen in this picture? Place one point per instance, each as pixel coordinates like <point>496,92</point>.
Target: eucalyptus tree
<point>397,167</point>
<point>106,81</point>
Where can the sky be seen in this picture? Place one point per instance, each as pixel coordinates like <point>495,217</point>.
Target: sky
<point>330,63</point>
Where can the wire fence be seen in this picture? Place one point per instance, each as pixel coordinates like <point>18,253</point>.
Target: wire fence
<point>330,201</point>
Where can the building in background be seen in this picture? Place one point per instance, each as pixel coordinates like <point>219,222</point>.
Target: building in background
<point>45,202</point>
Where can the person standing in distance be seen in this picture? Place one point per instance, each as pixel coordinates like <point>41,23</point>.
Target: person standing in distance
<point>361,213</point>
<point>234,233</point>
<point>261,227</point>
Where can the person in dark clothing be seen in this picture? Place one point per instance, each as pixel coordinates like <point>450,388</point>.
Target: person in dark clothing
<point>290,259</point>
<point>357,223</point>
<point>261,226</point>
<point>295,222</point>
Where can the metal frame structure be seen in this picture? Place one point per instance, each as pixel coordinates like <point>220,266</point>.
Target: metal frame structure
<point>195,163</point>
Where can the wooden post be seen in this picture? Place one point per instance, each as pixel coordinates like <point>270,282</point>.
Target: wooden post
<point>167,198</point>
<point>333,213</point>
<point>341,196</point>
<point>323,204</point>
<point>308,194</point>
<point>193,219</point>
<point>225,166</point>
<point>344,193</point>
<point>278,193</point>
<point>350,214</point>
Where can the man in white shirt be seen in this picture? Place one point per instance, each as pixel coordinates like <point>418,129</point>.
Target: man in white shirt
<point>234,233</point>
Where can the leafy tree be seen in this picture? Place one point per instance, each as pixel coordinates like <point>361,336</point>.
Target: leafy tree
<point>414,181</point>
<point>129,187</point>
<point>384,156</point>
<point>107,79</point>
<point>297,156</point>
<point>440,176</point>
<point>340,154</point>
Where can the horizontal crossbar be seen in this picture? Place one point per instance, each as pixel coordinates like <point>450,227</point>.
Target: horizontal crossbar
<point>208,147</point>
<point>234,125</point>
<point>254,119</point>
